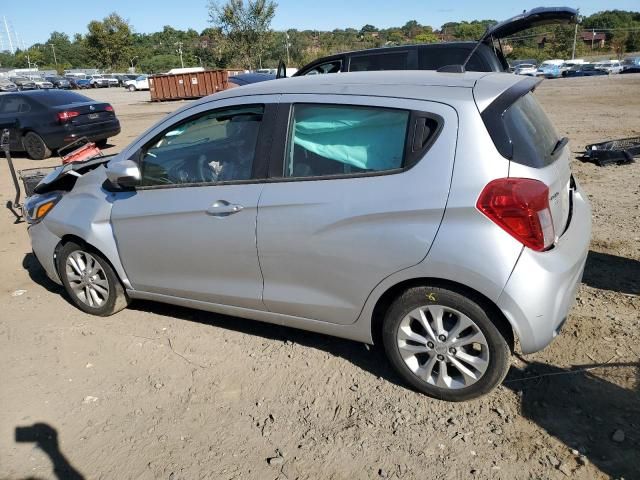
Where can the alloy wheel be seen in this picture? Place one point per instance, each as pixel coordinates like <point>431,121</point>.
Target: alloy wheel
<point>443,347</point>
<point>87,279</point>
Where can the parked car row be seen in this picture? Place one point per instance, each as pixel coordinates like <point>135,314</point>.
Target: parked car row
<point>99,80</point>
<point>140,82</point>
<point>573,68</point>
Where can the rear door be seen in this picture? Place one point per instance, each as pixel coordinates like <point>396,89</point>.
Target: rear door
<point>535,17</point>
<point>357,192</point>
<point>15,107</point>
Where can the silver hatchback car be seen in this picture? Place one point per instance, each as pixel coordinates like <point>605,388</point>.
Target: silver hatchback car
<point>434,213</point>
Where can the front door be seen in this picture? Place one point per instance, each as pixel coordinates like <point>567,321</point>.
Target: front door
<point>189,229</point>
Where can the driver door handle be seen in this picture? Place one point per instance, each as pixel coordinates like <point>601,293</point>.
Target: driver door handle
<point>222,208</point>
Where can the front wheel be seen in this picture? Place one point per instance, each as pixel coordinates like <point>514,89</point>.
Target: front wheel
<point>444,344</point>
<point>131,88</point>
<point>90,281</point>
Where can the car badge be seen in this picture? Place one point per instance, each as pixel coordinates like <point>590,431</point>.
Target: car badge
<point>91,107</point>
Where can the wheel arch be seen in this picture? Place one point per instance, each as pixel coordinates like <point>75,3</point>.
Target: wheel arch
<point>81,241</point>
<point>386,299</point>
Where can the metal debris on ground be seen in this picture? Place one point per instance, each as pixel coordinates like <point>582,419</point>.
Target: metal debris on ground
<point>619,151</point>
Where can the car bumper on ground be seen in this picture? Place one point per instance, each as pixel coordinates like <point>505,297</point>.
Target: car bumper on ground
<point>44,244</point>
<point>542,287</point>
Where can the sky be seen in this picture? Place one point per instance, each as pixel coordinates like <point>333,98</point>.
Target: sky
<point>35,19</point>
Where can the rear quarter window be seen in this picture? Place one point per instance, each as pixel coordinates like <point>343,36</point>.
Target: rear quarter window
<point>379,61</point>
<point>435,57</point>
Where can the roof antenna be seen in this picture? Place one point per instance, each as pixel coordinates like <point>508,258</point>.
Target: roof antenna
<point>461,68</point>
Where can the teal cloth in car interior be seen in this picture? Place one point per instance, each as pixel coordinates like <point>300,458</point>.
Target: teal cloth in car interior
<point>366,138</point>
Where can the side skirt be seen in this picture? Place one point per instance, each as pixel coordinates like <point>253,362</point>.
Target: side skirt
<point>359,331</point>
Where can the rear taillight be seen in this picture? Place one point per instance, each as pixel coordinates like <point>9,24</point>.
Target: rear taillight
<point>109,108</point>
<point>520,206</point>
<point>67,115</point>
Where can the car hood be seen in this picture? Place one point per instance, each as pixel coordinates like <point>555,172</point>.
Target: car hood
<point>64,176</point>
<point>532,18</point>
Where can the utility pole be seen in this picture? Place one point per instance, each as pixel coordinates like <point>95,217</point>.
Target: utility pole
<point>179,51</point>
<point>575,36</point>
<point>132,67</point>
<point>287,45</point>
<point>55,59</point>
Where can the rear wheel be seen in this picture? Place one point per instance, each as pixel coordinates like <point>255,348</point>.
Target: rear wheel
<point>90,281</point>
<point>444,344</point>
<point>102,143</point>
<point>35,146</point>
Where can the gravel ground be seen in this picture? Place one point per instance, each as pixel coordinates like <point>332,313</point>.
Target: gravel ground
<point>164,392</point>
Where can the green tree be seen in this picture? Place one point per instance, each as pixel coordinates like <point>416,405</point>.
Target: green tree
<point>427,36</point>
<point>246,27</point>
<point>411,29</point>
<point>159,63</point>
<point>619,42</point>
<point>109,42</point>
<point>368,29</point>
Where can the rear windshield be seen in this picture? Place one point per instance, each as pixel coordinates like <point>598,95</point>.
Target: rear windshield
<point>531,132</point>
<point>59,97</point>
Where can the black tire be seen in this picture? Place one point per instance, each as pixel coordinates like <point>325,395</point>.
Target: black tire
<point>131,88</point>
<point>496,345</point>
<point>102,143</point>
<point>35,146</point>
<point>113,302</point>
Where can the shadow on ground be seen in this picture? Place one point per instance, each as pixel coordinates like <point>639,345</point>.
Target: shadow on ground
<point>38,275</point>
<point>583,411</point>
<point>610,272</point>
<point>370,358</point>
<point>45,438</point>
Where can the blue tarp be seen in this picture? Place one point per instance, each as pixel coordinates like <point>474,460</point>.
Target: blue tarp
<point>366,138</point>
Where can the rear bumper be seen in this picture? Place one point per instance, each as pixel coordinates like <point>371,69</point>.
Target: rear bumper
<point>542,287</point>
<point>94,132</point>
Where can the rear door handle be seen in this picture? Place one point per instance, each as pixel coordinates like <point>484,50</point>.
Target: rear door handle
<point>222,208</point>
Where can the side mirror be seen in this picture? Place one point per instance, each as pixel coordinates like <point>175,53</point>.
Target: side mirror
<point>123,174</point>
<point>282,70</point>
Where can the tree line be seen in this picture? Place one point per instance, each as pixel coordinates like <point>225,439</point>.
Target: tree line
<point>240,36</point>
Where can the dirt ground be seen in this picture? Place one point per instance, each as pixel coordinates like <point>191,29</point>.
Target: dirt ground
<point>163,392</point>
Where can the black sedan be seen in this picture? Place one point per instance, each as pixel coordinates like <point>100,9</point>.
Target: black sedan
<point>584,70</point>
<point>50,119</point>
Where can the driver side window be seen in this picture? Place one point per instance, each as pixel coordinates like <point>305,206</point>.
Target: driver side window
<point>216,146</point>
